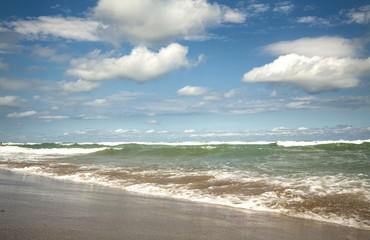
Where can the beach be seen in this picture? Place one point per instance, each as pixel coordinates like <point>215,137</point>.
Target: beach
<point>43,208</point>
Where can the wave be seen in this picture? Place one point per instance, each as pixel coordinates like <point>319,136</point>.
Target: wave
<point>316,143</point>
<point>26,149</point>
<point>323,180</point>
<point>186,143</point>
<point>333,198</point>
<point>177,150</point>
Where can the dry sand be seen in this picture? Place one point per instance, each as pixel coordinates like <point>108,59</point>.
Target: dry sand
<point>41,208</point>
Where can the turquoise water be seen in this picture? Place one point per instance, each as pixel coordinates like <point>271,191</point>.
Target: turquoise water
<point>326,181</point>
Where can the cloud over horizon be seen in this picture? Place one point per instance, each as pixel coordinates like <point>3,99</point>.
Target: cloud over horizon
<point>192,91</point>
<point>21,115</point>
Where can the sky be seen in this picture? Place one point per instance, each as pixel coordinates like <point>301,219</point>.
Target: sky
<point>184,70</point>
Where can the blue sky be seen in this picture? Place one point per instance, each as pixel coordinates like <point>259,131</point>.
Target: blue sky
<point>184,70</point>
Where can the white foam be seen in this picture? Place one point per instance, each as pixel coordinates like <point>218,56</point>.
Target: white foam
<point>314,143</point>
<point>267,201</point>
<point>186,143</point>
<point>48,151</point>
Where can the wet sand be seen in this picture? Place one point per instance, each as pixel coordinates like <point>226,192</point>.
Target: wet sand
<point>41,208</point>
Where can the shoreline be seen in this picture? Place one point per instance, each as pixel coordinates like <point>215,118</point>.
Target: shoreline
<point>43,208</point>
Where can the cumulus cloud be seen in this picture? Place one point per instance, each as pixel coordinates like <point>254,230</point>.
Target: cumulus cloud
<point>313,74</point>
<point>141,65</point>
<point>79,86</point>
<point>192,91</point>
<point>149,21</point>
<point>313,64</point>
<point>44,27</point>
<point>21,115</point>
<point>326,46</point>
<point>10,102</point>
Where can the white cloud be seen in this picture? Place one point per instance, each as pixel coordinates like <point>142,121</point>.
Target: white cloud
<point>3,66</point>
<point>21,115</point>
<point>163,132</point>
<point>50,53</point>
<point>299,104</point>
<point>313,20</point>
<point>70,28</point>
<point>189,131</point>
<point>120,130</point>
<point>283,7</point>
<point>150,21</point>
<point>10,102</point>
<point>313,64</point>
<point>79,86</point>
<point>313,74</point>
<point>192,91</point>
<point>97,103</point>
<point>212,97</point>
<point>223,134</point>
<point>153,121</point>
<point>9,43</point>
<point>322,46</point>
<point>54,117</point>
<point>92,117</point>
<point>360,15</point>
<point>150,131</point>
<point>273,94</point>
<point>141,65</point>
<point>117,98</point>
<point>12,84</point>
<point>257,8</point>
<point>233,16</point>
<point>231,93</point>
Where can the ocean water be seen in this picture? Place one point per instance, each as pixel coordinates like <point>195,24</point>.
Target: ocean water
<point>322,180</point>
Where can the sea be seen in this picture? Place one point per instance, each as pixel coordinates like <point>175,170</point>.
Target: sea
<point>321,180</point>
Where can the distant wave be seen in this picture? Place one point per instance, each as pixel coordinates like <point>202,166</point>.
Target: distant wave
<point>186,143</point>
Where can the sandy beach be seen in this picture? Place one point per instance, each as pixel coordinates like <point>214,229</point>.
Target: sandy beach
<point>34,207</point>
